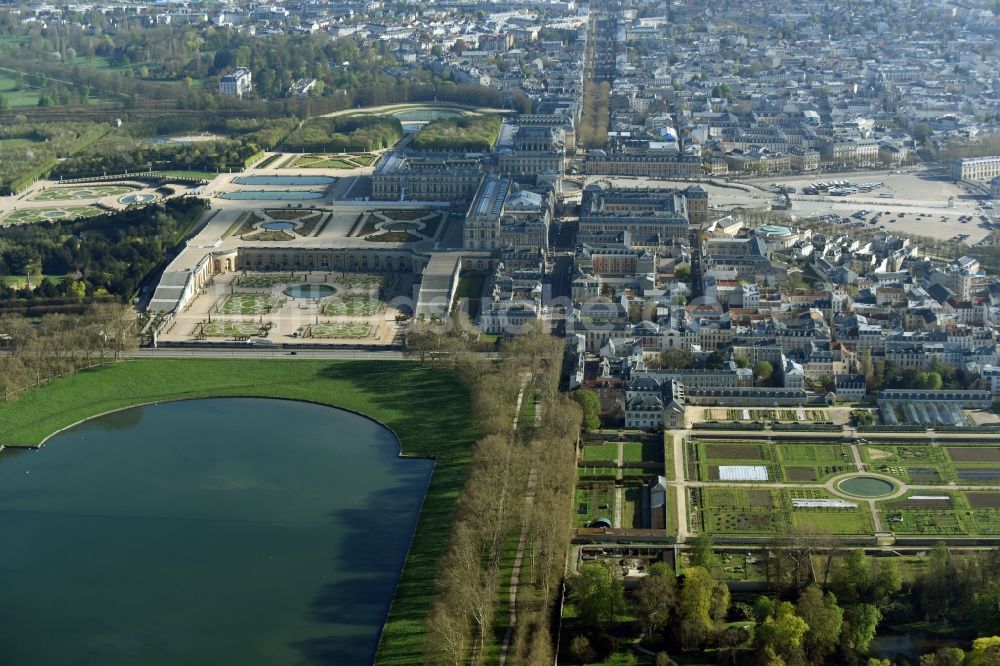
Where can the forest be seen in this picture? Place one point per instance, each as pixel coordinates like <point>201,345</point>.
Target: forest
<point>93,257</point>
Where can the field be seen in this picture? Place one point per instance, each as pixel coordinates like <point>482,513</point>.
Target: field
<point>13,96</point>
<point>248,304</point>
<point>82,192</point>
<point>350,329</point>
<point>353,306</point>
<point>763,510</point>
<point>791,462</point>
<point>424,407</point>
<point>594,503</point>
<point>927,465</point>
<point>33,215</point>
<point>945,517</point>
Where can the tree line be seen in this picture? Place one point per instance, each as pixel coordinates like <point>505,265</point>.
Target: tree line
<point>594,115</point>
<point>825,606</point>
<point>61,345</point>
<point>492,512</point>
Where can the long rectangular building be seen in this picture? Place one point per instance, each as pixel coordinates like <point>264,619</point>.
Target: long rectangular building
<point>976,168</point>
<point>652,164</point>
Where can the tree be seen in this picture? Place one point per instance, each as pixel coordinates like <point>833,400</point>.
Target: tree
<point>580,650</point>
<point>852,579</point>
<point>946,656</point>
<point>591,406</point>
<point>763,370</point>
<point>742,362</point>
<point>985,652</point>
<point>783,633</point>
<point>656,598</point>
<point>862,622</point>
<point>763,608</point>
<point>886,580</point>
<point>676,358</point>
<point>702,552</point>
<point>682,273</point>
<point>825,619</point>
<point>695,608</point>
<point>715,361</point>
<point>596,593</point>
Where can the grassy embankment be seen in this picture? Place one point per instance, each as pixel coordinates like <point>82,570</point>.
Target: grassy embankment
<point>428,412</point>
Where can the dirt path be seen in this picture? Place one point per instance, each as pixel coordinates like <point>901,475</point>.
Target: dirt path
<point>515,575</point>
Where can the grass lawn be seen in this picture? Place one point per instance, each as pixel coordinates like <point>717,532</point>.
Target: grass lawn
<point>16,143</point>
<point>470,286</point>
<point>426,409</point>
<point>15,97</point>
<point>18,281</point>
<point>605,451</point>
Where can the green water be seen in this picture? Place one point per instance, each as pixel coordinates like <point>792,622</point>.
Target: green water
<point>866,486</point>
<point>310,291</point>
<point>426,115</point>
<point>228,531</point>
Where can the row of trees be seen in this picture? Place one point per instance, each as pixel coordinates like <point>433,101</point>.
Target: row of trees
<point>491,510</point>
<point>61,345</point>
<point>595,115</point>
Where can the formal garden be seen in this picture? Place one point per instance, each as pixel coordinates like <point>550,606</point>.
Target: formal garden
<point>229,329</point>
<point>83,192</point>
<point>34,215</point>
<point>333,161</point>
<point>248,304</point>
<point>333,329</point>
<point>353,305</point>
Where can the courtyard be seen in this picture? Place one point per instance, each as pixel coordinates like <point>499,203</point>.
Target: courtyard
<point>293,308</point>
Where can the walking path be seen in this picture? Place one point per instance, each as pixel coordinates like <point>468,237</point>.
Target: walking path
<point>680,489</point>
<point>618,489</point>
<point>515,575</point>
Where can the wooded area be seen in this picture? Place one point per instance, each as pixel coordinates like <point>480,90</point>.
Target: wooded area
<point>61,345</point>
<point>104,255</point>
